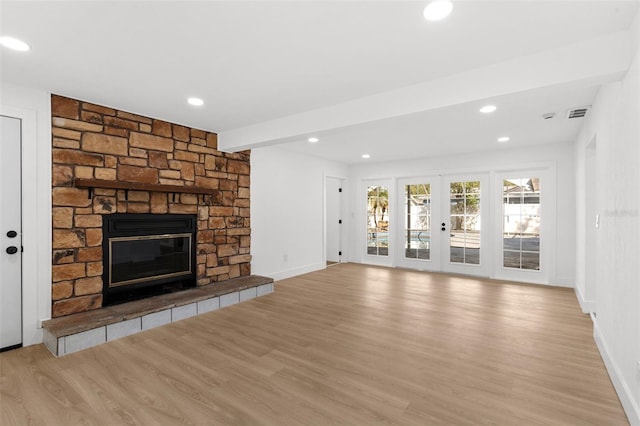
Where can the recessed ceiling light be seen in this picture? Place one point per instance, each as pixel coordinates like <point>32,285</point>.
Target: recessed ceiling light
<point>313,140</point>
<point>366,156</point>
<point>14,44</point>
<point>437,10</point>
<point>487,109</point>
<point>503,139</point>
<point>195,101</point>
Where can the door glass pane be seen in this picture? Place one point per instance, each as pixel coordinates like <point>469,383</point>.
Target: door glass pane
<point>521,223</point>
<point>464,238</point>
<point>378,220</point>
<point>417,222</point>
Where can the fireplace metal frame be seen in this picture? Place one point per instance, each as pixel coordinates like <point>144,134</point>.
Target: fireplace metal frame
<point>129,226</point>
<point>111,240</point>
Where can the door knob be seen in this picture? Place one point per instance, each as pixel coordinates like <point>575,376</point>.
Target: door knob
<point>443,227</point>
<point>12,234</point>
<point>12,249</point>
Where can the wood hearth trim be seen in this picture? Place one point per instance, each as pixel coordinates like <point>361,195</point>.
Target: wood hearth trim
<point>138,186</point>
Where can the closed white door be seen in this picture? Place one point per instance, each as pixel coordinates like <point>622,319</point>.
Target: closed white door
<point>333,219</point>
<point>443,224</point>
<point>10,234</point>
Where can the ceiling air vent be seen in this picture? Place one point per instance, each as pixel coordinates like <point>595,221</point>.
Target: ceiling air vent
<point>577,112</point>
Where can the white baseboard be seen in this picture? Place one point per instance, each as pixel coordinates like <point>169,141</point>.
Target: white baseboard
<point>587,306</point>
<point>630,406</point>
<point>565,282</point>
<point>281,275</point>
<point>34,337</point>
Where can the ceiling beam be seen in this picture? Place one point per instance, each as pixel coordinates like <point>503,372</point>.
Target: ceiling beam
<point>586,63</point>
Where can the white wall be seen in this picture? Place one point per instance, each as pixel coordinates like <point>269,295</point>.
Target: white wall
<point>34,108</point>
<point>287,211</point>
<point>615,125</point>
<point>557,157</point>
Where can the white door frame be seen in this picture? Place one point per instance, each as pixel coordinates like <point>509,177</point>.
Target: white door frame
<point>592,224</point>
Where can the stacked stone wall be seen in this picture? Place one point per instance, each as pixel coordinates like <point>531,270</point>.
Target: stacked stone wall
<point>96,142</point>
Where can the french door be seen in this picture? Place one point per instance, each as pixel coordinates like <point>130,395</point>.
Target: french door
<point>464,225</point>
<point>419,202</point>
<point>444,223</point>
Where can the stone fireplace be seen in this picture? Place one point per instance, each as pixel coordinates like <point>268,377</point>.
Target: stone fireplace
<point>109,162</point>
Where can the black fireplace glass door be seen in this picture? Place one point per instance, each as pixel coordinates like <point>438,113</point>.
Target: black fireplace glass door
<point>137,259</point>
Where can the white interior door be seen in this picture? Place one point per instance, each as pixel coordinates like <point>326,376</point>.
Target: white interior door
<point>464,223</point>
<point>10,234</point>
<point>333,219</point>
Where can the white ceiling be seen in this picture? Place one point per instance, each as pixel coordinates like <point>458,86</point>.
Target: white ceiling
<point>260,61</point>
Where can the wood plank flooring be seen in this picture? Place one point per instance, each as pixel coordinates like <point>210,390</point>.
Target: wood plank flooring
<point>353,344</point>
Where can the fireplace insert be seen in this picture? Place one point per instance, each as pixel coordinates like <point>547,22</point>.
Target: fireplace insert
<point>147,254</point>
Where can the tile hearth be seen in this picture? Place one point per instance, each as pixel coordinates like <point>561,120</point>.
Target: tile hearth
<point>80,331</point>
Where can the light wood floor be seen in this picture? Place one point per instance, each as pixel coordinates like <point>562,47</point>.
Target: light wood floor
<point>353,344</point>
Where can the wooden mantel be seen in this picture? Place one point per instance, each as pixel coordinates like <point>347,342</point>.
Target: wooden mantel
<point>138,186</point>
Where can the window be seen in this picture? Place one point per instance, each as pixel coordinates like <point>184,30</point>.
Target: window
<point>378,220</point>
<point>521,223</point>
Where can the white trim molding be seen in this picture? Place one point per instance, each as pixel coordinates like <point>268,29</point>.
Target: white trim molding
<point>631,408</point>
<point>288,273</point>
